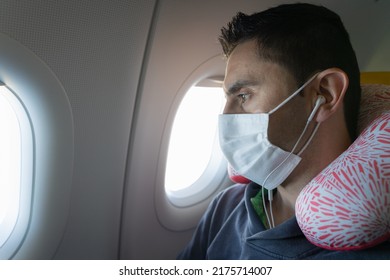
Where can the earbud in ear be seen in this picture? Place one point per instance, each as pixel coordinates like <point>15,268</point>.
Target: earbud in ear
<point>320,100</point>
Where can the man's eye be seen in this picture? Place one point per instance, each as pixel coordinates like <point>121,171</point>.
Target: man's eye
<point>244,97</point>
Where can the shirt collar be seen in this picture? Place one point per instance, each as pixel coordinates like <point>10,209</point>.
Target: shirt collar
<point>288,229</point>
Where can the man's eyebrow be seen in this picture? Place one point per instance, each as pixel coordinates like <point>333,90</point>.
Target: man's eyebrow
<point>238,85</point>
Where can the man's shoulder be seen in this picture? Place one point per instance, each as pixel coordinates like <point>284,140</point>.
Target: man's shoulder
<point>232,195</point>
<point>234,190</point>
<point>231,199</point>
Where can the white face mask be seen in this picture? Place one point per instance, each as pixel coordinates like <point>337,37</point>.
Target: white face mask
<point>244,142</point>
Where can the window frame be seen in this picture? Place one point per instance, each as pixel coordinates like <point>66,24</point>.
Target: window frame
<point>214,171</point>
<point>21,224</point>
<point>51,122</point>
<point>185,213</point>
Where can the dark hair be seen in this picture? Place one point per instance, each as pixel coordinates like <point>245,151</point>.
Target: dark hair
<point>303,38</point>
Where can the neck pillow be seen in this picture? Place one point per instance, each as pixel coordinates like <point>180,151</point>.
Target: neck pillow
<point>347,205</point>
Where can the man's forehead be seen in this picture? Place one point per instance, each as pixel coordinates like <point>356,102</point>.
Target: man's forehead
<point>241,64</point>
<point>243,51</point>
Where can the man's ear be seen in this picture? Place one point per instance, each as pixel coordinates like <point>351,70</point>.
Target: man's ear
<point>331,83</point>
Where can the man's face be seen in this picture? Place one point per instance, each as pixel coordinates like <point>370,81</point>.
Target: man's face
<point>256,86</point>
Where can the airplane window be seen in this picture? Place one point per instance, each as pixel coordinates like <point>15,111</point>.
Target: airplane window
<point>10,163</point>
<point>193,137</point>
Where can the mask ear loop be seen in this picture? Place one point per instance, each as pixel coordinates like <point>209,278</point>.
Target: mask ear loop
<point>293,95</point>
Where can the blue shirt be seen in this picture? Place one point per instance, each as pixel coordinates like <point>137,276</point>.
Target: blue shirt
<point>231,229</point>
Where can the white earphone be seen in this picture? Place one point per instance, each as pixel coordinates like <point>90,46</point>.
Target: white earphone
<point>320,100</point>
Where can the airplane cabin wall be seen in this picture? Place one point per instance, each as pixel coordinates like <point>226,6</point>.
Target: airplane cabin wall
<point>96,50</point>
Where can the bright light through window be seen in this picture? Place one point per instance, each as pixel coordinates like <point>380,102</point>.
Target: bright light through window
<point>10,163</point>
<point>193,136</point>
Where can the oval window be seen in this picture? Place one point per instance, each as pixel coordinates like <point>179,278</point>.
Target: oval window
<point>193,155</point>
<point>10,163</point>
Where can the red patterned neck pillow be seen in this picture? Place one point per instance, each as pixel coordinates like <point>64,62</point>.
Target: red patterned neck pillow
<point>347,206</point>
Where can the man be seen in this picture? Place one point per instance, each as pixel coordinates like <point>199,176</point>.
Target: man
<point>292,97</point>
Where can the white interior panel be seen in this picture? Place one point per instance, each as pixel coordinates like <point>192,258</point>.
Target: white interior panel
<point>96,50</point>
